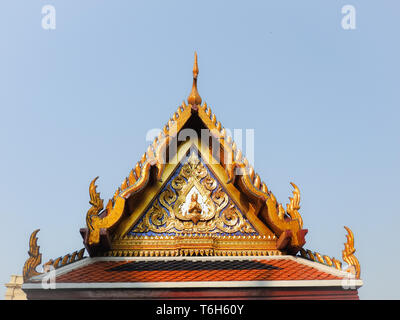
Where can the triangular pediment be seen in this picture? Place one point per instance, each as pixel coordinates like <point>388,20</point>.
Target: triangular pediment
<point>193,201</point>
<point>191,170</point>
<point>192,211</point>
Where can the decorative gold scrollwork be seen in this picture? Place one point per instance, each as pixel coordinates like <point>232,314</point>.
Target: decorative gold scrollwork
<point>168,197</point>
<point>209,183</point>
<point>178,183</point>
<point>193,202</point>
<point>158,217</point>
<point>230,216</point>
<point>220,198</point>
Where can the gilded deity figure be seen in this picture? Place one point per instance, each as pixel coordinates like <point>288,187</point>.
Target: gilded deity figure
<point>195,208</point>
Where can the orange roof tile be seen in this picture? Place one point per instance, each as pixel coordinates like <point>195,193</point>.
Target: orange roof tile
<point>172,270</point>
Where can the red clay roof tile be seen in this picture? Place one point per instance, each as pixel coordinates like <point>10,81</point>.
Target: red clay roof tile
<point>190,270</point>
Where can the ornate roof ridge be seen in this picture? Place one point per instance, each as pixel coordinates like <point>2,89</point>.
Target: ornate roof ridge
<point>65,260</point>
<point>35,258</point>
<point>347,254</point>
<point>193,252</point>
<point>195,236</point>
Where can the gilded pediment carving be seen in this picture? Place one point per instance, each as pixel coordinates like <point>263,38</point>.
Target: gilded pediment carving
<point>193,202</point>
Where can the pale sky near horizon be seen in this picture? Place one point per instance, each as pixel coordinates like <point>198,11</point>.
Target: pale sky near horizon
<point>76,102</point>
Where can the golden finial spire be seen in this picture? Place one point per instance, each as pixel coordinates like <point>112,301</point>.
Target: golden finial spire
<point>194,97</point>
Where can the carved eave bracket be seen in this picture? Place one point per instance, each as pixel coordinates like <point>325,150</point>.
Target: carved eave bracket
<point>35,258</point>
<point>287,224</point>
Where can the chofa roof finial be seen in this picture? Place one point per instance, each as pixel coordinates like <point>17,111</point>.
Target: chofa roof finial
<point>194,97</point>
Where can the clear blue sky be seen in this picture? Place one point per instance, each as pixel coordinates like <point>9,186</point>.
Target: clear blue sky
<point>77,101</point>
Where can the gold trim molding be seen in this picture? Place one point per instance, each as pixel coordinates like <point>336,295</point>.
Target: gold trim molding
<point>194,245</point>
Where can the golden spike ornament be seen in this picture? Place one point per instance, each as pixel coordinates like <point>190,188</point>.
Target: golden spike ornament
<point>96,202</point>
<point>35,257</point>
<point>348,254</point>
<point>194,97</point>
